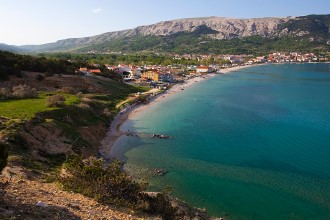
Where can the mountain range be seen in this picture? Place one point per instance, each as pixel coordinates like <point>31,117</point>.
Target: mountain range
<point>203,35</point>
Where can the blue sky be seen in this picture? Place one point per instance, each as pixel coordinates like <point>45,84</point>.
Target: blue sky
<point>43,21</point>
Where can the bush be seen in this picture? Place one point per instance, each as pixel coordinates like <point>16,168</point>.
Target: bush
<point>69,90</point>
<point>40,77</point>
<point>161,204</point>
<point>107,184</point>
<point>24,91</point>
<point>48,74</point>
<point>3,156</point>
<point>83,105</point>
<point>4,93</point>
<point>55,101</point>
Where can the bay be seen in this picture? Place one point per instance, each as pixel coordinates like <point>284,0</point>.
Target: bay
<point>252,144</point>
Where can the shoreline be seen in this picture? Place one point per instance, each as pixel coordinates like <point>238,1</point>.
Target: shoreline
<point>115,132</point>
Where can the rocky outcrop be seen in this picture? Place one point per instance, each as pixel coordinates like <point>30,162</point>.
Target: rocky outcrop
<point>226,27</point>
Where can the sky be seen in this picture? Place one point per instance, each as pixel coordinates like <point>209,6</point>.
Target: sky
<point>25,22</point>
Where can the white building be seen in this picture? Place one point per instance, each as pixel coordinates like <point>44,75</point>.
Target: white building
<point>203,69</point>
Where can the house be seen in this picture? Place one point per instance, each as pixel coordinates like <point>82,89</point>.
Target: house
<point>203,69</point>
<point>261,59</point>
<point>156,76</point>
<point>151,75</point>
<point>89,72</point>
<point>136,71</point>
<point>165,77</point>
<point>83,70</point>
<point>94,71</point>
<point>124,68</point>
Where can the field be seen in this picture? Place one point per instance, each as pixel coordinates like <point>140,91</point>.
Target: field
<point>26,109</point>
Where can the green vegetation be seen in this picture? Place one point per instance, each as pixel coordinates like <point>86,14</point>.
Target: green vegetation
<point>26,114</point>
<point>315,25</point>
<point>13,64</point>
<point>55,100</point>
<point>186,43</point>
<point>108,184</point>
<point>23,108</point>
<point>307,33</point>
<point>137,58</point>
<point>26,109</point>
<point>65,111</point>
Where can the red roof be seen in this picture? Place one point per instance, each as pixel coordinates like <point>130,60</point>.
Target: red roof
<point>203,67</point>
<point>95,71</point>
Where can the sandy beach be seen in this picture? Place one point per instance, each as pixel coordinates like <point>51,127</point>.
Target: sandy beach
<point>128,112</point>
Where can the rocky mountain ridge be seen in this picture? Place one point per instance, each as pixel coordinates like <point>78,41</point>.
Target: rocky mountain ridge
<point>315,27</point>
<point>226,28</point>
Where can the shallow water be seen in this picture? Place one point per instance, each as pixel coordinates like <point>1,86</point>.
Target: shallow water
<point>252,144</point>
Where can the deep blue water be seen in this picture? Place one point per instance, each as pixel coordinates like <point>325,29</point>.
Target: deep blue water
<point>252,144</point>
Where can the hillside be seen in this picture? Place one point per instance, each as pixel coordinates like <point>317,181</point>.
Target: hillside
<point>51,126</point>
<point>206,35</point>
<point>10,48</point>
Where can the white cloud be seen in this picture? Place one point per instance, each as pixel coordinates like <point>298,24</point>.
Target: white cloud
<point>96,10</point>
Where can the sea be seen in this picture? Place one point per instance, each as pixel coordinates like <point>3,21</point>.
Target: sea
<point>251,144</point>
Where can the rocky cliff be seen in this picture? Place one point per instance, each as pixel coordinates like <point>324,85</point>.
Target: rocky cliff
<point>226,28</point>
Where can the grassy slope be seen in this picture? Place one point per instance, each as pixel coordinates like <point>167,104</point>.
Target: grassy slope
<point>26,109</point>
<point>29,115</point>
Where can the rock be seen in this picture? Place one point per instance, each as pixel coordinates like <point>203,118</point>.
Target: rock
<point>161,172</point>
<point>20,181</point>
<point>73,206</point>
<point>41,204</point>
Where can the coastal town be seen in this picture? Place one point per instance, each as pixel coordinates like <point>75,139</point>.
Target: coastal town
<point>165,110</point>
<point>153,75</point>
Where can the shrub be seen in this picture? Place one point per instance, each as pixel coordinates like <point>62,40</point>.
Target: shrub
<point>55,100</point>
<point>107,184</point>
<point>19,74</point>
<point>142,98</point>
<point>69,90</point>
<point>110,185</point>
<point>3,156</point>
<point>48,74</point>
<point>40,77</point>
<point>161,204</point>
<point>24,91</point>
<point>4,93</point>
<point>83,105</point>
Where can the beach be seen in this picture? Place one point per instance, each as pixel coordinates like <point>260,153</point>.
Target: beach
<point>235,137</point>
<point>128,112</point>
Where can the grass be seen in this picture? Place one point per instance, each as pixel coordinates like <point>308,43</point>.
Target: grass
<point>26,109</point>
<point>99,108</point>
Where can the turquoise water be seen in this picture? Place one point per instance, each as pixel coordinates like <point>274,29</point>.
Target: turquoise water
<point>253,144</point>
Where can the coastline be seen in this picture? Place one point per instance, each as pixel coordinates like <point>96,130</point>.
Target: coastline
<point>115,132</point>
